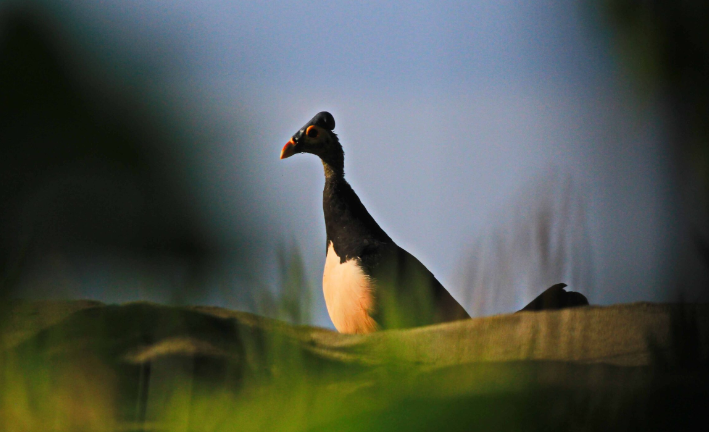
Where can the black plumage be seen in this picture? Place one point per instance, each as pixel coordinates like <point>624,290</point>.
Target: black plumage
<point>394,290</point>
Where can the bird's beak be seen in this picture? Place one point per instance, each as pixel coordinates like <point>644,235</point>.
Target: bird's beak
<point>288,149</point>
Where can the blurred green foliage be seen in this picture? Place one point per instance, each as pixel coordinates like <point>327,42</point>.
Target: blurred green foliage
<point>87,162</point>
<point>143,367</point>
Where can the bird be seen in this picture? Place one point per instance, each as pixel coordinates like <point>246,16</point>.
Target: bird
<point>369,282</point>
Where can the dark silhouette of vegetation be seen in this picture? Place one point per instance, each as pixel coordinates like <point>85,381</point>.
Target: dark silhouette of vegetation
<point>666,46</point>
<point>87,164</point>
<point>555,297</point>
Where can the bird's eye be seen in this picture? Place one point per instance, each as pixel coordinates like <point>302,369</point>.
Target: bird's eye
<point>312,132</point>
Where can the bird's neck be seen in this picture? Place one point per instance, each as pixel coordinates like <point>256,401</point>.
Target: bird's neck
<point>333,172</point>
<point>333,160</point>
<point>348,224</point>
<point>334,181</point>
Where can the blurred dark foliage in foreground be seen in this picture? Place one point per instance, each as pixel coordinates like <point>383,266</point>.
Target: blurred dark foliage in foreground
<point>86,168</point>
<point>85,162</point>
<point>666,45</point>
<point>85,366</point>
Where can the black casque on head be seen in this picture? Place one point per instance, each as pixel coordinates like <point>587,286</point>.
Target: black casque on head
<point>322,119</point>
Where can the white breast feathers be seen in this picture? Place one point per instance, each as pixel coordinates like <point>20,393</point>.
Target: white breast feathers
<point>349,294</point>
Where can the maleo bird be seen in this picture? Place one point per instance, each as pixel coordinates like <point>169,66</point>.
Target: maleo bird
<point>369,282</point>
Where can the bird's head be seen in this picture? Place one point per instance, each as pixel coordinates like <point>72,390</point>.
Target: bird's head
<point>316,137</point>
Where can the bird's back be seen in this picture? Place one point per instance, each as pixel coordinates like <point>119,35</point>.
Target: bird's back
<point>409,295</point>
<point>376,283</point>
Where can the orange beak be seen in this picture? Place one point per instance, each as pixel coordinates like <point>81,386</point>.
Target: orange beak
<point>288,149</point>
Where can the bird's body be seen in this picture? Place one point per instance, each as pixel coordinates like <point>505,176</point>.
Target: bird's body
<point>369,282</point>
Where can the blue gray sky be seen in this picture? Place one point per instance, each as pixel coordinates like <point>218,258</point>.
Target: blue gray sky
<point>460,121</point>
